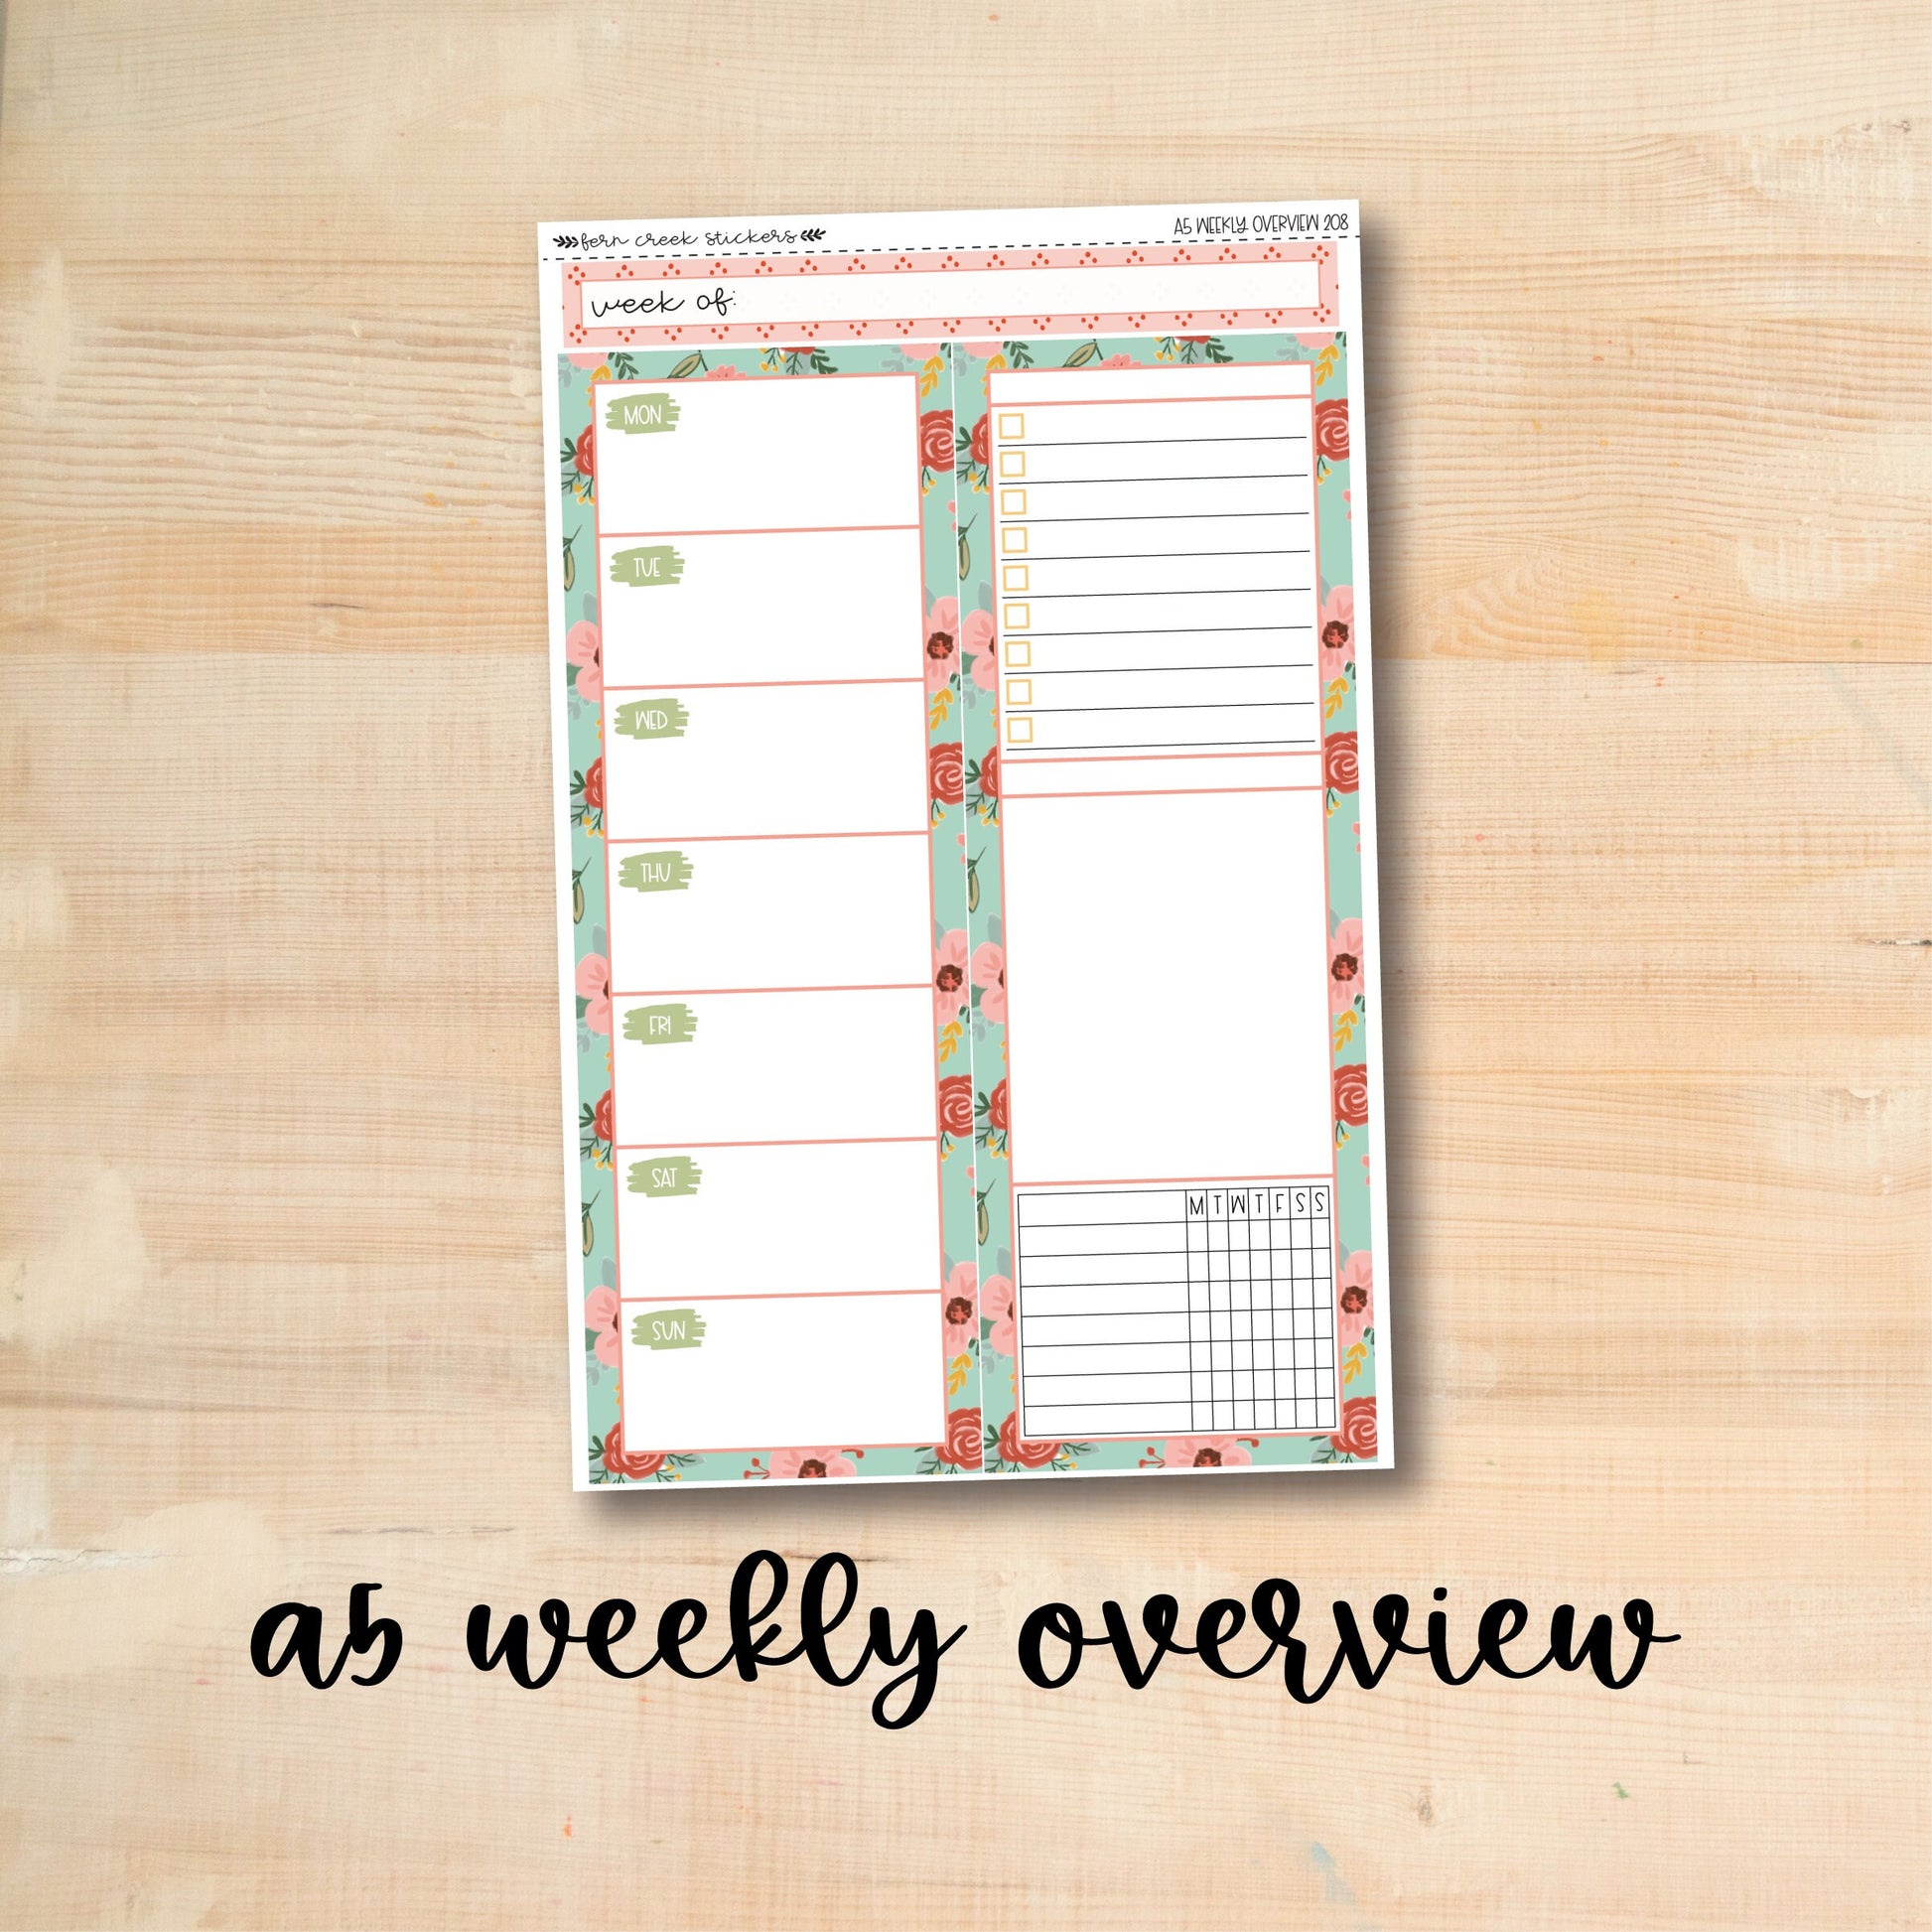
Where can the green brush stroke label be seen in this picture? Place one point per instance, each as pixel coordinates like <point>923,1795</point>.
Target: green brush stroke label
<point>666,1025</point>
<point>652,718</point>
<point>668,1329</point>
<point>654,872</point>
<point>667,1176</point>
<point>654,414</point>
<point>647,567</point>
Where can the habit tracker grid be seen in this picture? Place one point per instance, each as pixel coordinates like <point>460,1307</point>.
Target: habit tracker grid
<point>965,823</point>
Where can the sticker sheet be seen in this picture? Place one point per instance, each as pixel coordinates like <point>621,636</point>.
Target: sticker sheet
<point>966,845</point>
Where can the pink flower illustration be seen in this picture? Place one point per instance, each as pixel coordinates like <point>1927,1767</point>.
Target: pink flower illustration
<point>1120,362</point>
<point>949,992</point>
<point>725,369</point>
<point>983,352</point>
<point>583,648</point>
<point>594,985</point>
<point>990,976</point>
<point>586,358</point>
<point>962,1317</point>
<point>1203,1452</point>
<point>1344,965</point>
<point>977,638</point>
<point>794,1463</point>
<point>1355,1297</point>
<point>601,1311</point>
<point>1337,631</point>
<point>996,1300</point>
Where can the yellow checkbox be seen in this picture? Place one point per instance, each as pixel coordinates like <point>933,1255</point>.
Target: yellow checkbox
<point>1012,424</point>
<point>1019,616</point>
<point>1012,502</point>
<point>1019,690</point>
<point>1012,463</point>
<point>1020,654</point>
<point>1014,577</point>
<point>1020,731</point>
<point>1014,541</point>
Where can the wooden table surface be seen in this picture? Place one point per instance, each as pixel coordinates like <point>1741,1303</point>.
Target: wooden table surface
<point>1650,357</point>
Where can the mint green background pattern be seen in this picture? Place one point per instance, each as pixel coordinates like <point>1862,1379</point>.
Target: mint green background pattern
<point>976,1212</point>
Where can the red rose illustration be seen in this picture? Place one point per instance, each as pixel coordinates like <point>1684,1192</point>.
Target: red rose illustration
<point>603,1115</point>
<point>586,453</point>
<point>935,439</point>
<point>995,1108</point>
<point>1339,769</point>
<point>956,1105</point>
<point>1331,428</point>
<point>982,446</point>
<point>1352,1094</point>
<point>1030,1456</point>
<point>621,1462</point>
<point>1356,1436</point>
<point>990,773</point>
<point>945,772</point>
<point>962,1445</point>
<point>593,786</point>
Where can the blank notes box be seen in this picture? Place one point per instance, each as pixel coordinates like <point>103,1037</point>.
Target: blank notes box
<point>1020,654</point>
<point>1020,731</point>
<point>1014,542</point>
<point>1014,577</point>
<point>1019,616</point>
<point>1012,463</point>
<point>1012,502</point>
<point>1012,423</point>
<point>1019,690</point>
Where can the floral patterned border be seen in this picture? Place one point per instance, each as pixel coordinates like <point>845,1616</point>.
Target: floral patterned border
<point>1354,1437</point>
